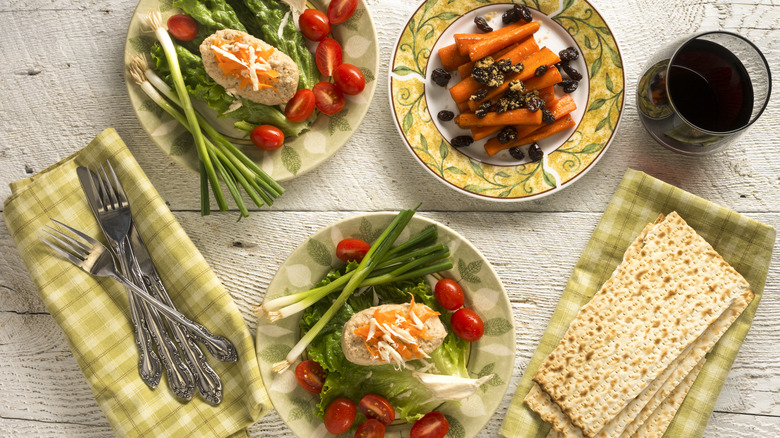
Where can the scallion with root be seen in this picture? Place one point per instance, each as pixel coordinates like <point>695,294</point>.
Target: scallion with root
<point>372,258</point>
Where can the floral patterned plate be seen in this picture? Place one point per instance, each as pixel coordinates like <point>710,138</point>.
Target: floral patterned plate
<point>299,154</point>
<point>493,354</point>
<point>415,100</point>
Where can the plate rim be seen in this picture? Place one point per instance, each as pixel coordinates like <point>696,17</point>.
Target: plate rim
<point>475,195</point>
<point>462,241</point>
<point>374,41</point>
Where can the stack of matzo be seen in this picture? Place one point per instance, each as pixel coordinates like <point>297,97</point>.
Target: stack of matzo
<point>632,353</point>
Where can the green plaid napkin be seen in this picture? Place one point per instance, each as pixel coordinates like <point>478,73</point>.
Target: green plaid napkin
<point>93,313</point>
<point>744,243</point>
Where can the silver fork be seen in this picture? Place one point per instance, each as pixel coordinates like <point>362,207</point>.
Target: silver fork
<point>113,213</point>
<point>94,258</point>
<point>206,379</point>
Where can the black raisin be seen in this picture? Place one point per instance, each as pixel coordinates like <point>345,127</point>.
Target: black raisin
<point>534,104</point>
<point>535,153</point>
<point>517,68</point>
<point>504,65</point>
<point>482,24</point>
<point>547,116</point>
<point>480,75</point>
<point>517,153</point>
<point>507,134</point>
<point>441,77</point>
<point>540,71</point>
<point>479,94</point>
<point>568,54</point>
<point>511,15</point>
<point>483,109</point>
<point>445,116</point>
<point>570,71</point>
<point>568,85</point>
<point>525,12</point>
<point>461,141</point>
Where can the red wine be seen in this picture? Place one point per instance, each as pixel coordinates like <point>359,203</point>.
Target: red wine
<point>710,87</point>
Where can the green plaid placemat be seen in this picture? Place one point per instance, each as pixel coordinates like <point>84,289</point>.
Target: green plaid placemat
<point>746,244</point>
<point>93,313</point>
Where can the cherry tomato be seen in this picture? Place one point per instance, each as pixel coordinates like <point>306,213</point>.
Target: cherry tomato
<point>314,24</point>
<point>339,11</point>
<point>449,294</point>
<point>349,79</point>
<point>467,325</point>
<point>328,56</point>
<point>182,27</point>
<point>310,376</point>
<point>371,428</point>
<point>328,98</point>
<point>267,137</point>
<point>340,415</point>
<point>377,407</point>
<point>300,107</point>
<point>432,425</point>
<point>352,249</point>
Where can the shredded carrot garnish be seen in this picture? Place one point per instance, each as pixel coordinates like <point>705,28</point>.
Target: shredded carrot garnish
<point>396,329</point>
<point>243,61</point>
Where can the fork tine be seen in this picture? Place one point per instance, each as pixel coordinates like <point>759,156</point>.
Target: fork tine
<point>103,193</point>
<point>111,193</point>
<point>98,196</point>
<point>120,192</point>
<point>61,251</point>
<point>67,246</point>
<point>86,237</point>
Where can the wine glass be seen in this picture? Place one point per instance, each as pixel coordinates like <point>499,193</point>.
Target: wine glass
<point>699,94</point>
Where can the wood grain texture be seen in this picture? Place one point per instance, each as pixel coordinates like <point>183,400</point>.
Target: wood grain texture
<point>62,82</point>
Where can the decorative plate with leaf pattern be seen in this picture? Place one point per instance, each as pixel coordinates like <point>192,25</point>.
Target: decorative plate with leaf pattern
<point>415,99</point>
<point>493,354</point>
<point>327,135</point>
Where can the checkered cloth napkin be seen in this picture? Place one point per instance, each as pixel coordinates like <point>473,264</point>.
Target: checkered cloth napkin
<point>94,315</point>
<point>746,244</point>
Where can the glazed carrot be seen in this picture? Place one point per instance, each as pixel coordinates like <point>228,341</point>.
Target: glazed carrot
<point>495,43</point>
<point>461,91</point>
<point>463,107</point>
<point>450,58</point>
<point>514,53</point>
<point>545,131</point>
<point>550,78</point>
<point>558,107</point>
<point>515,117</point>
<point>547,94</point>
<point>466,40</point>
<point>531,62</point>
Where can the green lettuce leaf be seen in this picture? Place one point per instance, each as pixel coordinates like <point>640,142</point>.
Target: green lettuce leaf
<point>211,15</point>
<point>200,86</point>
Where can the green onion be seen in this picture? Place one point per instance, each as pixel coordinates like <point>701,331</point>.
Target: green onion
<point>154,20</point>
<point>372,258</point>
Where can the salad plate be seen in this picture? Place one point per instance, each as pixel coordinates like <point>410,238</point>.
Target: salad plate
<point>493,354</point>
<point>298,155</point>
<point>415,99</point>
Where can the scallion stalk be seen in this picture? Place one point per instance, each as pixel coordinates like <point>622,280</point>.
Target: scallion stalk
<point>372,258</point>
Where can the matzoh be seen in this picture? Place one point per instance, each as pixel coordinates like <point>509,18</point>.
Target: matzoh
<point>654,306</point>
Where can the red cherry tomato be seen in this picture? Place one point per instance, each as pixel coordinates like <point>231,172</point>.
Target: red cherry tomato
<point>340,415</point>
<point>349,79</point>
<point>432,425</point>
<point>314,24</point>
<point>300,107</point>
<point>310,376</point>
<point>377,407</point>
<point>370,429</point>
<point>352,249</point>
<point>467,325</point>
<point>267,137</point>
<point>449,294</point>
<point>339,11</point>
<point>328,56</point>
<point>183,27</point>
<point>328,98</point>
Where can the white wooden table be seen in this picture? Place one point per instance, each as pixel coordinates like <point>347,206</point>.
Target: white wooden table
<point>62,82</point>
